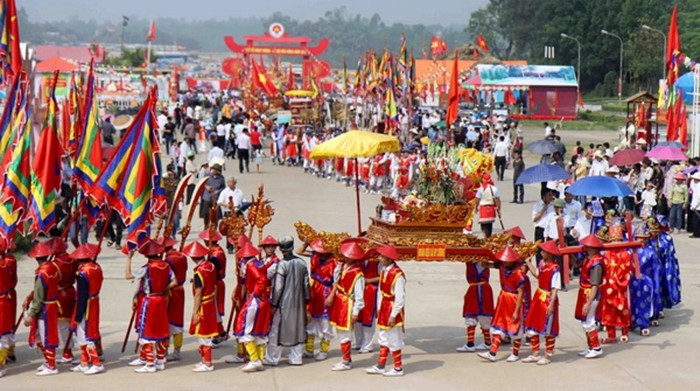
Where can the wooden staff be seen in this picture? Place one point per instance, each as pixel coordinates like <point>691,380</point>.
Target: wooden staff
<point>128,329</point>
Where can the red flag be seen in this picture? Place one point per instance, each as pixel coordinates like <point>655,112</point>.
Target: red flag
<point>673,49</point>
<point>683,126</point>
<point>453,100</point>
<point>12,35</point>
<point>260,80</point>
<point>437,46</point>
<point>152,32</point>
<point>481,42</point>
<point>290,79</point>
<point>671,123</point>
<point>509,98</point>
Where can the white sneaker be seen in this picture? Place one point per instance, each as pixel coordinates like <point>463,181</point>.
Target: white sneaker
<point>146,369</point>
<point>365,351</point>
<point>41,367</point>
<point>530,359</point>
<point>174,356</point>
<point>584,353</point>
<point>250,367</point>
<point>65,360</point>
<point>2,372</point>
<point>201,367</point>
<point>294,363</point>
<point>234,360</point>
<point>393,372</point>
<point>513,358</point>
<point>95,369</point>
<point>307,354</point>
<point>544,360</point>
<point>483,346</point>
<point>375,370</point>
<point>259,366</point>
<point>160,365</point>
<point>47,372</point>
<point>79,368</point>
<point>270,363</point>
<point>594,353</point>
<point>487,356</point>
<point>137,362</point>
<point>466,349</point>
<point>342,366</point>
<point>321,356</point>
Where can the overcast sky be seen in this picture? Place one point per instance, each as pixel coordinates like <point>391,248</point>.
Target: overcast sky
<point>406,11</point>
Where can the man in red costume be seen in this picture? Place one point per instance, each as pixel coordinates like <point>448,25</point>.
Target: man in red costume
<point>8,302</point>
<point>156,278</point>
<point>322,267</point>
<point>589,293</point>
<point>217,256</point>
<point>204,316</point>
<point>543,318</point>
<point>253,321</point>
<point>364,330</point>
<point>86,317</point>
<point>237,296</point>
<point>478,306</point>
<point>42,313</point>
<point>67,268</point>
<point>614,310</point>
<point>507,318</point>
<point>347,299</point>
<point>392,286</point>
<point>176,302</point>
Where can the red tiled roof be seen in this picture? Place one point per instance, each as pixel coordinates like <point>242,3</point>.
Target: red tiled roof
<point>56,63</point>
<point>76,53</point>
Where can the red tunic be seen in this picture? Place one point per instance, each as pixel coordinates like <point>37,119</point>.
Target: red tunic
<point>49,276</point>
<point>387,282</point>
<point>321,285</point>
<point>176,304</point>
<point>585,284</point>
<point>511,281</point>
<point>208,326</point>
<point>290,149</point>
<point>67,268</point>
<point>256,285</point>
<point>8,297</point>
<point>218,258</point>
<point>478,301</point>
<point>91,273</point>
<point>378,166</point>
<point>368,314</point>
<point>339,164</point>
<point>614,308</point>
<point>152,322</point>
<point>270,262</point>
<point>364,170</point>
<point>537,319</point>
<point>341,310</point>
<point>350,168</point>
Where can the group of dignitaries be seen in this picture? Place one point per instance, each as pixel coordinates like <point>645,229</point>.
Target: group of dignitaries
<point>278,303</point>
<point>283,303</point>
<point>610,296</point>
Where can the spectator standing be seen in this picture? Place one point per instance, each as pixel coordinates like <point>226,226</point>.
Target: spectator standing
<point>244,145</point>
<point>518,168</point>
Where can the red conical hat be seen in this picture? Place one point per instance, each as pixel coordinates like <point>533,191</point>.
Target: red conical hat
<point>239,242</point>
<point>353,251</point>
<point>517,232</point>
<point>168,242</point>
<point>269,241</point>
<point>317,246</point>
<point>86,251</point>
<point>40,250</point>
<point>247,251</point>
<point>208,237</point>
<point>56,245</point>
<point>195,250</point>
<point>151,248</point>
<point>591,241</point>
<point>508,254</point>
<point>389,251</point>
<point>550,246</point>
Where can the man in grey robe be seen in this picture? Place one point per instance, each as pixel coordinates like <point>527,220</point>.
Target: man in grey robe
<point>290,294</point>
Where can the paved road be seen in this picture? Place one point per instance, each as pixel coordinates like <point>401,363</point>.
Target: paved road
<point>668,359</point>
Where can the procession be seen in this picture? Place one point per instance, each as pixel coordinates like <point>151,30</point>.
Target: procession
<point>270,219</point>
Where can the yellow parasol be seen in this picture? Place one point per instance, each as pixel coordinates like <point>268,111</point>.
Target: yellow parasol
<point>354,144</point>
<point>299,93</point>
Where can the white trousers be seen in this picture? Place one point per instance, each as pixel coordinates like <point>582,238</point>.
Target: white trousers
<point>5,341</point>
<point>391,338</point>
<point>80,334</point>
<point>273,352</point>
<point>364,336</point>
<point>589,324</point>
<point>64,332</point>
<point>320,328</point>
<point>250,315</point>
<point>344,335</point>
<point>484,321</point>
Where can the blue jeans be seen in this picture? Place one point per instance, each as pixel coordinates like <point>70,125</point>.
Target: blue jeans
<point>675,218</point>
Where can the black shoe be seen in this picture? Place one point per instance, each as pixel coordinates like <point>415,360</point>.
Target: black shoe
<point>12,358</point>
<point>514,202</point>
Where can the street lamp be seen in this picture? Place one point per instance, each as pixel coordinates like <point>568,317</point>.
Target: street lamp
<point>646,27</point>
<point>619,81</point>
<point>578,66</point>
<point>125,22</point>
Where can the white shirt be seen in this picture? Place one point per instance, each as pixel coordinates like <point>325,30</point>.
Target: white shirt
<point>243,141</point>
<point>500,149</point>
<point>547,131</point>
<point>162,120</point>
<point>572,212</point>
<point>184,148</point>
<point>550,228</point>
<point>598,167</point>
<point>215,152</point>
<point>235,194</point>
<point>221,130</point>
<point>695,198</point>
<point>582,228</point>
<point>543,219</point>
<point>488,195</point>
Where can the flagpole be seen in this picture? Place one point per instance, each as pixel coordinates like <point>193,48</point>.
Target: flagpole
<point>148,55</point>
<point>696,122</point>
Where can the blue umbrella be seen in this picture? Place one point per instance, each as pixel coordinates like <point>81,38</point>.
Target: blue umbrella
<point>542,173</point>
<point>599,186</point>
<point>542,147</point>
<point>674,144</point>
